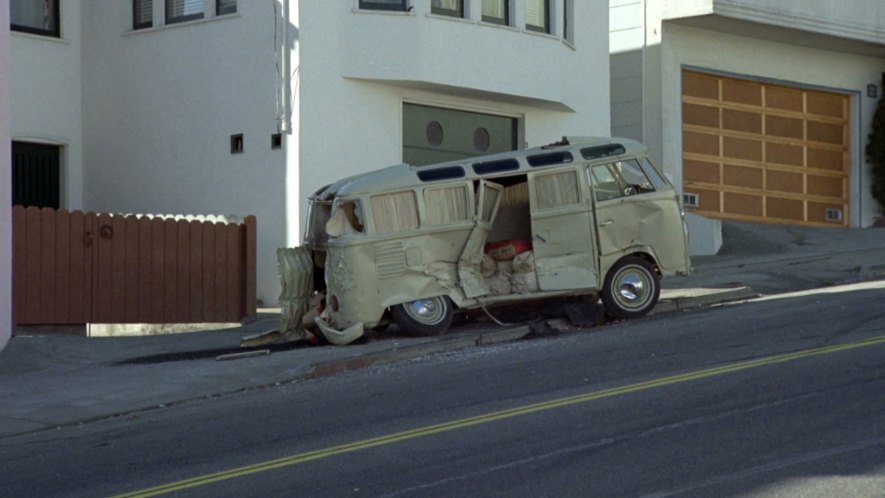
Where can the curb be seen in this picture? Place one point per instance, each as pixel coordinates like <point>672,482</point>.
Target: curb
<point>679,303</point>
<point>333,367</point>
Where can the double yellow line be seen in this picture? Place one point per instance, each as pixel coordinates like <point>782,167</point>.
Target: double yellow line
<point>492,417</point>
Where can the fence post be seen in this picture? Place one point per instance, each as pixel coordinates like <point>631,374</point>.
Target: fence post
<point>249,266</point>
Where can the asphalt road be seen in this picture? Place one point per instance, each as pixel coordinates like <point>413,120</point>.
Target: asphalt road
<point>777,398</point>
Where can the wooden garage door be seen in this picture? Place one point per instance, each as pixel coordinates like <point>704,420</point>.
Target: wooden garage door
<point>764,152</point>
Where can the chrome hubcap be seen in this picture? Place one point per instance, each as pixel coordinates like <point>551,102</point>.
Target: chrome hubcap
<point>429,311</point>
<point>633,287</point>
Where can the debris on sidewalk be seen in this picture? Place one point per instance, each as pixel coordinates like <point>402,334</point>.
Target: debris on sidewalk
<point>244,354</point>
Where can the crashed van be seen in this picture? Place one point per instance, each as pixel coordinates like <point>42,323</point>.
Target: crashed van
<point>416,244</point>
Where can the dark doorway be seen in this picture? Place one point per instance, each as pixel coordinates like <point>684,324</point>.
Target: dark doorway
<point>36,175</point>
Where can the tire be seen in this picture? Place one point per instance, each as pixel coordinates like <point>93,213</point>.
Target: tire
<point>632,288</point>
<point>424,317</point>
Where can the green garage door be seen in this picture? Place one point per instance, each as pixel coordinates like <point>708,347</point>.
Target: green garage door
<point>433,134</point>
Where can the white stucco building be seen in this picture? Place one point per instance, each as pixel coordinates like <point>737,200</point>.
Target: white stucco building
<point>758,109</point>
<point>226,107</point>
<point>5,180</point>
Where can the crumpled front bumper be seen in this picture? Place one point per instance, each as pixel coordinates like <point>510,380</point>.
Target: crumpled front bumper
<point>338,337</point>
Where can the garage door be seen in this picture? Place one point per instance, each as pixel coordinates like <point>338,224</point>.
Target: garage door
<point>764,152</point>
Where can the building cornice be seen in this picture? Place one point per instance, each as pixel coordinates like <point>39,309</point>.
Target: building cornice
<point>777,17</point>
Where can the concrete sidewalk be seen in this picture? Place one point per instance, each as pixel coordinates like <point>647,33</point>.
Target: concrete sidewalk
<point>54,380</point>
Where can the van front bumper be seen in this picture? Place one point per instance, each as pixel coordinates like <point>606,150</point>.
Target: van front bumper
<point>338,337</point>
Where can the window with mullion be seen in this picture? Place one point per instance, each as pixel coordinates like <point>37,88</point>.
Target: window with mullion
<point>397,5</point>
<point>183,10</point>
<point>496,11</point>
<point>453,8</point>
<point>142,14</point>
<point>537,15</point>
<point>39,17</point>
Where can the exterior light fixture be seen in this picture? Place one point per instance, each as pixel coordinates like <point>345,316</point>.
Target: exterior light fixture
<point>872,90</point>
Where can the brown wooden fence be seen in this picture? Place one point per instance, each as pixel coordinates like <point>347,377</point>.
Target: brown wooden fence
<point>76,268</point>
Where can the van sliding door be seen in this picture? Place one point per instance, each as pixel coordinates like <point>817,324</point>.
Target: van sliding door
<point>488,199</point>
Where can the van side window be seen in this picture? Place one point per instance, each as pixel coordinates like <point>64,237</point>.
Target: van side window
<point>445,206</point>
<point>605,185</point>
<point>652,173</point>
<point>634,179</point>
<point>557,190</point>
<point>618,179</point>
<point>394,212</point>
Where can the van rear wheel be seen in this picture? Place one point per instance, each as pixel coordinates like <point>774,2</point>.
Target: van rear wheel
<point>424,317</point>
<point>632,288</point>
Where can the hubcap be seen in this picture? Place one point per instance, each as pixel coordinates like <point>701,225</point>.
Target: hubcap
<point>633,289</point>
<point>429,311</point>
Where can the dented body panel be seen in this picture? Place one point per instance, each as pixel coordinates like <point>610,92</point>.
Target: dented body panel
<point>405,233</point>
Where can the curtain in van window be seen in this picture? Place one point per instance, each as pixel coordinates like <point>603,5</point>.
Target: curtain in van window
<point>515,194</point>
<point>555,190</point>
<point>395,212</point>
<point>445,205</point>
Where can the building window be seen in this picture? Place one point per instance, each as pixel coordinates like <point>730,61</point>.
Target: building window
<point>39,17</point>
<point>453,8</point>
<point>537,15</point>
<point>496,11</point>
<point>384,5</point>
<point>142,14</point>
<point>236,143</point>
<point>223,7</point>
<point>36,175</point>
<point>183,10</point>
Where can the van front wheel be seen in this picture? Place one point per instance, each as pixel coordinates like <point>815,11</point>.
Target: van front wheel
<point>631,289</point>
<point>424,317</point>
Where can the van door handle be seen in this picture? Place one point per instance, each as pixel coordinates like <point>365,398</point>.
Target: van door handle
<point>606,223</point>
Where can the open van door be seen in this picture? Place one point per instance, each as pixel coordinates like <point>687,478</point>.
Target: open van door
<point>562,231</point>
<point>488,199</point>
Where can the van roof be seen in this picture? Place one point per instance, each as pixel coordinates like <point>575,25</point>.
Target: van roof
<point>401,176</point>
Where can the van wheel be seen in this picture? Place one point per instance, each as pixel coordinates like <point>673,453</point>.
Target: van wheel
<point>424,317</point>
<point>631,288</point>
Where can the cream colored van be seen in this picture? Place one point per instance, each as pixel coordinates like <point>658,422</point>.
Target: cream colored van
<point>416,244</point>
